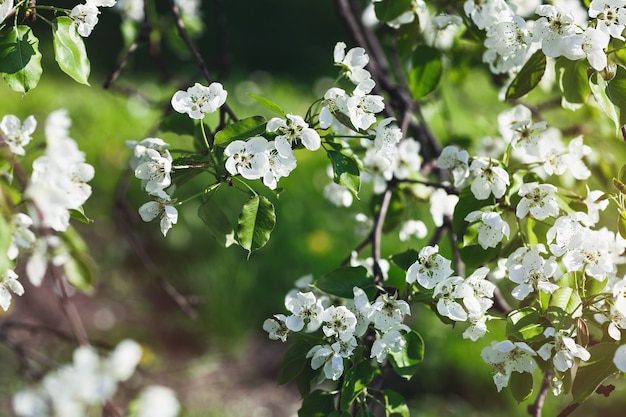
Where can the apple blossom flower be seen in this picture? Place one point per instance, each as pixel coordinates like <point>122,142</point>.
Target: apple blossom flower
<point>440,31</point>
<point>305,309</point>
<point>378,169</point>
<point>413,228</point>
<point>161,207</point>
<point>279,165</point>
<point>387,138</point>
<point>335,100</point>
<point>485,14</point>
<point>5,8</point>
<point>362,106</point>
<point>276,327</point>
<point>140,150</point>
<point>8,281</point>
<point>457,161</point>
<point>131,9</point>
<point>491,229</point>
<point>352,63</point>
<point>448,293</point>
<point>533,273</point>
<point>339,322</point>
<point>619,358</point>
<point>408,160</point>
<point>155,173</point>
<point>156,401</point>
<point>430,268</point>
<point>507,357</point>
<point>566,350</point>
<point>15,134</point>
<point>537,200</point>
<point>489,178</point>
<point>330,357</point>
<point>554,29</point>
<point>85,18</point>
<point>388,342</point>
<point>442,204</point>
<point>611,15</point>
<point>198,101</point>
<point>291,131</point>
<point>387,313</point>
<point>22,236</point>
<point>249,158</point>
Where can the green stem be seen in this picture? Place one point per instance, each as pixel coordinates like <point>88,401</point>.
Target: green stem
<point>201,193</point>
<point>209,145</point>
<point>246,185</point>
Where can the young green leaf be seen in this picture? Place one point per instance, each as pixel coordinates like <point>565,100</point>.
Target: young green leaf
<point>616,92</point>
<point>521,385</point>
<point>355,380</point>
<point>269,104</point>
<point>213,216</point>
<point>241,130</point>
<point>564,306</point>
<point>293,362</point>
<point>387,10</point>
<point>426,72</point>
<point>525,324</point>
<point>69,50</point>
<point>405,362</point>
<point>395,405</point>
<point>345,171</point>
<point>591,373</point>
<point>341,281</point>
<point>621,224</point>
<point>528,77</point>
<point>572,81</point>
<point>256,222</point>
<point>20,59</point>
<point>599,91</point>
<point>317,404</point>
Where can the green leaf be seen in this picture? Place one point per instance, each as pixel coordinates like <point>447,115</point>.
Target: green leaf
<point>395,405</point>
<point>616,92</point>
<point>621,224</point>
<point>406,361</point>
<point>341,281</point>
<point>466,204</point>
<point>69,50</point>
<point>355,380</point>
<point>80,272</point>
<point>407,38</point>
<point>474,255</point>
<point>213,216</point>
<point>525,324</point>
<point>178,123</point>
<point>269,104</point>
<point>599,90</point>
<point>564,306</point>
<point>572,81</point>
<point>387,10</point>
<point>79,214</point>
<point>20,59</point>
<point>592,373</point>
<point>528,77</point>
<point>521,385</point>
<point>293,362</point>
<point>241,130</point>
<point>345,171</point>
<point>338,413</point>
<point>317,404</point>
<point>426,71</point>
<point>405,259</point>
<point>621,176</point>
<point>256,222</point>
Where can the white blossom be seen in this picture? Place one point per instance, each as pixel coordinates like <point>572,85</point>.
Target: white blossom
<point>198,101</point>
<point>9,284</point>
<point>339,322</point>
<point>507,357</point>
<point>276,327</point>
<point>537,200</point>
<point>305,309</point>
<point>248,158</point>
<point>413,228</point>
<point>430,268</point>
<point>611,15</point>
<point>563,350</point>
<point>352,63</point>
<point>155,172</point>
<point>15,134</point>
<point>291,131</point>
<point>491,229</point>
<point>457,161</point>
<point>161,207</point>
<point>156,401</point>
<point>489,178</point>
<point>85,18</point>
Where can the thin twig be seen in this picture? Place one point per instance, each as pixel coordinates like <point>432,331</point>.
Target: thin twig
<point>379,221</point>
<point>142,36</point>
<point>123,216</point>
<point>182,31</point>
<point>69,308</point>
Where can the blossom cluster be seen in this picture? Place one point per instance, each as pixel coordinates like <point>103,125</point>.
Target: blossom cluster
<point>342,324</point>
<point>85,385</point>
<point>85,16</point>
<point>57,187</point>
<point>563,30</point>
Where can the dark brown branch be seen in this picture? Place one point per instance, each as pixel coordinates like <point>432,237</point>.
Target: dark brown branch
<point>69,308</point>
<point>182,31</point>
<point>535,408</point>
<point>142,37</point>
<point>123,217</point>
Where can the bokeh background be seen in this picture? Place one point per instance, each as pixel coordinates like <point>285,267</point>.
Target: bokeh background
<point>219,360</point>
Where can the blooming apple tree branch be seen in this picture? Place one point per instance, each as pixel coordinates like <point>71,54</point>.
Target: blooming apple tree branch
<point>531,240</point>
